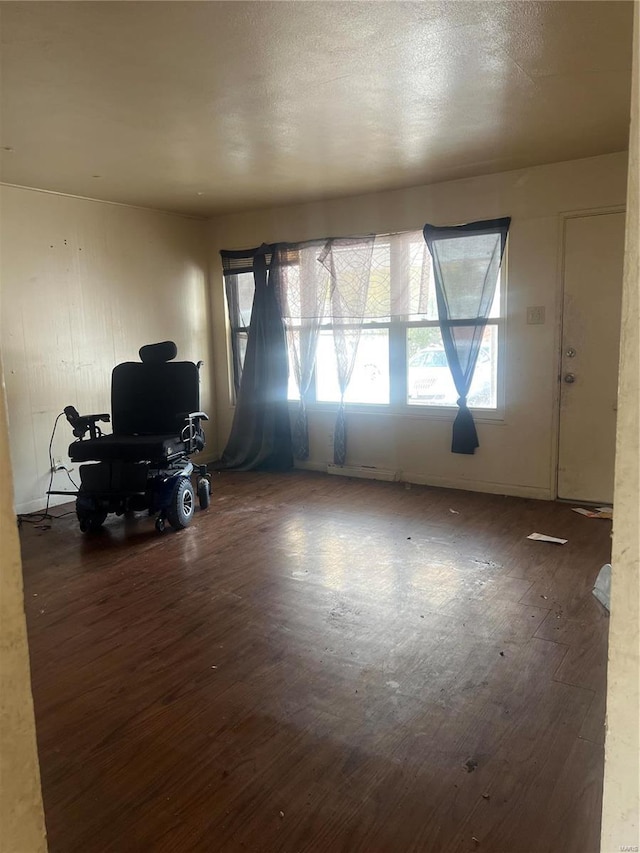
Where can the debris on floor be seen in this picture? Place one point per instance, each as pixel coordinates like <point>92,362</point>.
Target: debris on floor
<point>597,512</point>
<point>486,796</point>
<point>281,814</point>
<point>602,588</point>
<point>542,537</point>
<point>454,511</point>
<point>501,654</point>
<point>470,765</point>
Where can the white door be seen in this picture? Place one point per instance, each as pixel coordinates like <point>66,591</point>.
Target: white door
<point>593,259</point>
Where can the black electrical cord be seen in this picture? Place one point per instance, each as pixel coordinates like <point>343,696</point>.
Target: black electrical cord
<point>44,515</point>
<point>73,482</point>
<point>70,511</point>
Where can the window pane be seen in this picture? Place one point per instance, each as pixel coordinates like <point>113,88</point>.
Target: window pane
<point>241,338</point>
<point>305,287</point>
<point>416,268</point>
<point>246,289</point>
<point>422,289</point>
<point>379,293</point>
<point>429,381</point>
<point>293,339</point>
<point>495,305</point>
<point>468,264</point>
<point>370,378</point>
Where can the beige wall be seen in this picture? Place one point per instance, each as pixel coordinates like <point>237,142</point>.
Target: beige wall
<point>83,285</point>
<point>22,827</point>
<point>517,455</point>
<point>621,807</point>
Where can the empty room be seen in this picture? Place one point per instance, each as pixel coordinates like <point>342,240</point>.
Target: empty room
<point>319,354</point>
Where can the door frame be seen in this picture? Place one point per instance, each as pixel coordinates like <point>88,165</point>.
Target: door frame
<point>563,218</point>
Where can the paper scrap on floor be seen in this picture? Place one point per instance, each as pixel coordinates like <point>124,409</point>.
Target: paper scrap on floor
<point>597,512</point>
<point>542,537</point>
<point>602,588</point>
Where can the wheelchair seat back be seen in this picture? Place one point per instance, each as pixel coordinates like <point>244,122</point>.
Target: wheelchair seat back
<point>150,402</point>
<point>149,398</point>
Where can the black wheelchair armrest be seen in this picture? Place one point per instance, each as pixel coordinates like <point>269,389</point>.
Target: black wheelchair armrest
<point>193,434</point>
<point>83,423</point>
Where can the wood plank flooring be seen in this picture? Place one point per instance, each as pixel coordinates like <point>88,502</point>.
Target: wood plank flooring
<point>321,664</point>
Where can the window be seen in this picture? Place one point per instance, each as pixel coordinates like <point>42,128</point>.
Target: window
<point>240,288</point>
<point>370,378</point>
<point>401,360</point>
<point>429,381</point>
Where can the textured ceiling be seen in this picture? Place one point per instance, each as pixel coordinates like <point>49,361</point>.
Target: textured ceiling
<point>206,107</point>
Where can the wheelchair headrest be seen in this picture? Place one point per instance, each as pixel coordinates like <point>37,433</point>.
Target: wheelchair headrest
<point>158,353</point>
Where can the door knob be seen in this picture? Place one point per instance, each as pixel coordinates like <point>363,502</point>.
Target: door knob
<point>569,378</point>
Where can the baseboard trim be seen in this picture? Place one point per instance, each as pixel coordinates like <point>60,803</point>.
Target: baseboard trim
<point>364,472</point>
<point>39,504</point>
<point>420,479</point>
<point>510,489</point>
<point>310,466</point>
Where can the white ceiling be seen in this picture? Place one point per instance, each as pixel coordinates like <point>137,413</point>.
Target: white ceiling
<point>205,107</point>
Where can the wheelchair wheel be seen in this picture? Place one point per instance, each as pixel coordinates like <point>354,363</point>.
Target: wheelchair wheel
<point>204,492</point>
<point>180,511</point>
<point>90,521</point>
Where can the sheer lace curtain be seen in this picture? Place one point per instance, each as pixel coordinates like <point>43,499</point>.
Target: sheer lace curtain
<point>349,264</point>
<point>305,286</point>
<point>466,264</point>
<point>343,284</point>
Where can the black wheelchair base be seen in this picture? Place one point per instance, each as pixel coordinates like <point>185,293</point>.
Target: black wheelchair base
<point>166,493</point>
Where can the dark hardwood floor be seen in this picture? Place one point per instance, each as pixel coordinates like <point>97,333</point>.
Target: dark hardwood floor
<point>321,664</point>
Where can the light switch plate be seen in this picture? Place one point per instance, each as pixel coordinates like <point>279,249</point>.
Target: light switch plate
<point>535,315</point>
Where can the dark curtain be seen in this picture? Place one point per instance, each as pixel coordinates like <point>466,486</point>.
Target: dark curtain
<point>466,263</point>
<point>260,436</point>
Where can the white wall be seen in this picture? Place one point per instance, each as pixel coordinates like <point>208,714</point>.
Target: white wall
<point>621,805</point>
<point>517,455</point>
<point>83,285</point>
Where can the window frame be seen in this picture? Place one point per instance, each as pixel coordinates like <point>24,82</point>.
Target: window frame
<point>398,404</point>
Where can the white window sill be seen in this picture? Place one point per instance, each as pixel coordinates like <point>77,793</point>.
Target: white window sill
<point>436,413</point>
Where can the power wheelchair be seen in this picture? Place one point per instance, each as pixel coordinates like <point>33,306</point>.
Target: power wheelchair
<point>144,464</point>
